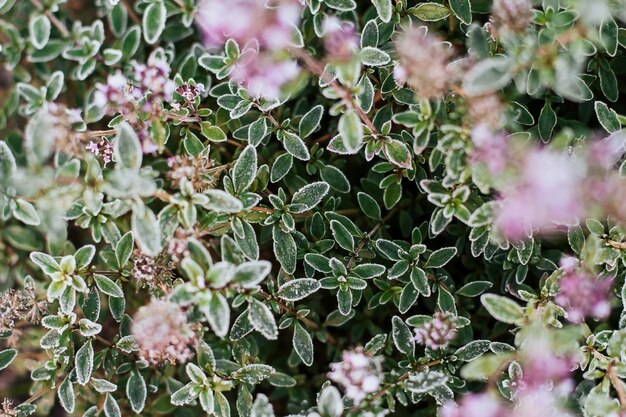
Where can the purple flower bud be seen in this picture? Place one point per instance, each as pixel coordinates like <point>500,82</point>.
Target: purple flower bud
<point>340,39</point>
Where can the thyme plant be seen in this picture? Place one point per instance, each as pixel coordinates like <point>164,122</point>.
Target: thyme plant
<point>312,208</point>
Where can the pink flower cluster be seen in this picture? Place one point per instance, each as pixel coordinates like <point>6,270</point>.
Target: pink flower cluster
<point>547,193</point>
<point>422,63</point>
<point>541,189</point>
<point>510,16</point>
<point>151,81</point>
<point>103,149</point>
<point>262,28</point>
<point>546,378</point>
<point>358,373</point>
<point>161,330</point>
<point>248,20</point>
<point>437,333</point>
<point>262,75</point>
<point>583,295</point>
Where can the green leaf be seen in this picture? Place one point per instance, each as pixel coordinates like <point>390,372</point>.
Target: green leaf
<point>351,131</point>
<point>329,403</point>
<point>384,9</point>
<point>218,314</point>
<point>262,319</point>
<point>124,248</point>
<point>429,12</point>
<point>212,133</point>
<point>6,357</point>
<point>84,256</point>
<point>153,22</point>
<point>39,30</point>
<point>111,408</point>
<point>297,289</point>
<point>285,249</point>
<point>251,274</point>
<point>281,167</point>
<point>303,344</point>
<point>107,286</point>
<point>66,395</point>
<point>425,381</point>
<point>294,145</point>
<point>310,121</point>
<point>547,122</point>
<point>221,202</point>
<point>8,165</point>
<point>335,178</point>
<point>341,5</point>
<point>46,262</point>
<point>84,363</point>
<point>26,213</point>
<point>398,154</point>
<point>474,288</point>
<point>147,231</point>
<point>127,148</point>
<point>462,9</point>
<point>369,206</point>
<point>489,75</point>
<point>472,350</point>
<point>136,391</point>
<point>607,117</point>
<point>402,337</point>
<point>245,169</point>
<point>257,131</point>
<point>309,196</point>
<point>608,35</point>
<point>502,308</point>
<point>440,257</point>
<point>374,57</point>
<point>342,236</point>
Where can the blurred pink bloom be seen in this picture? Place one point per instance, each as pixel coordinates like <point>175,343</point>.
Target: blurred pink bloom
<point>422,63</point>
<point>246,20</point>
<point>490,148</point>
<point>161,330</point>
<point>583,295</point>
<point>475,405</point>
<point>358,373</point>
<point>340,39</point>
<point>547,194</point>
<point>511,16</point>
<point>262,75</point>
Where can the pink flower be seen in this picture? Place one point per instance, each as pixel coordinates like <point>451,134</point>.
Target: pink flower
<point>511,16</point>
<point>340,39</point>
<point>422,63</point>
<point>475,405</point>
<point>103,148</point>
<point>153,78</point>
<point>262,75</point>
<point>437,333</point>
<point>247,20</point>
<point>490,148</point>
<point>547,194</point>
<point>161,330</point>
<point>358,373</point>
<point>583,295</point>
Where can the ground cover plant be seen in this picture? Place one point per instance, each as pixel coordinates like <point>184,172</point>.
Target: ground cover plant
<point>313,208</point>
